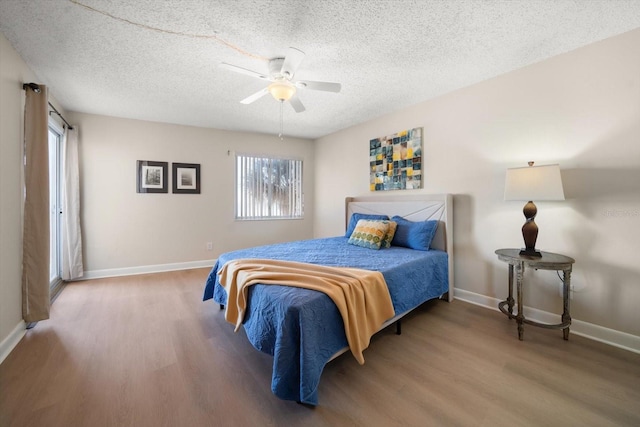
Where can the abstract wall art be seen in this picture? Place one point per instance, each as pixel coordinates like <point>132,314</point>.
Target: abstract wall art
<point>395,161</point>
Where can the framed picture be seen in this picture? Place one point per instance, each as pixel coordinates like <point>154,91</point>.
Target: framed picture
<point>186,178</point>
<point>395,161</point>
<point>152,177</point>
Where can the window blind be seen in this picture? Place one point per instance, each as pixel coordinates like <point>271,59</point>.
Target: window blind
<point>268,187</point>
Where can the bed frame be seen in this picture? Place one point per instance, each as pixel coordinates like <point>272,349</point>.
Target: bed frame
<point>438,207</point>
<point>422,207</point>
<point>415,207</point>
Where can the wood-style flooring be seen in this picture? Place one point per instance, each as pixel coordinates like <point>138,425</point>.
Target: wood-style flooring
<point>146,351</point>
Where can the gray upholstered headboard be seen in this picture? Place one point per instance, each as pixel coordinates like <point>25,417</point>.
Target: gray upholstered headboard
<point>420,207</point>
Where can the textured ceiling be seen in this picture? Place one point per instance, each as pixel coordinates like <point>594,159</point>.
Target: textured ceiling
<point>158,59</point>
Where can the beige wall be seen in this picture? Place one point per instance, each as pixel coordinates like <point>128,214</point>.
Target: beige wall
<point>580,109</point>
<point>123,229</point>
<point>13,72</point>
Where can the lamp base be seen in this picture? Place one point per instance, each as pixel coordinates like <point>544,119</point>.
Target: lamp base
<point>530,231</point>
<point>531,253</point>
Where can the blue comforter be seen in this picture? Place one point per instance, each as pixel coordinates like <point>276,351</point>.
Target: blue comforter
<point>301,328</point>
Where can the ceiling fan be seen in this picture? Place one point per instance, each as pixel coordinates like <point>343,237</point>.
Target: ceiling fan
<point>283,86</point>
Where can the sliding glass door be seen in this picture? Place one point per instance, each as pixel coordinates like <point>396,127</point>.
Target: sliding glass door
<point>55,205</point>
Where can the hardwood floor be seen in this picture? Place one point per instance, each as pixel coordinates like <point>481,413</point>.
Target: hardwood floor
<point>146,351</point>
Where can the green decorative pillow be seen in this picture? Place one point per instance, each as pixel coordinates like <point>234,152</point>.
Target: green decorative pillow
<point>386,242</point>
<point>369,234</point>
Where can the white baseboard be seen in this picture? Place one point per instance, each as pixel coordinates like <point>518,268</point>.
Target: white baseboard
<point>588,330</point>
<point>145,269</point>
<point>12,340</point>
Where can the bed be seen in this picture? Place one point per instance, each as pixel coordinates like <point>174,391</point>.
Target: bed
<point>301,328</point>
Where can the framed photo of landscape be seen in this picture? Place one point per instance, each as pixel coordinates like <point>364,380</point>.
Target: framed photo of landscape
<point>186,178</point>
<point>152,177</point>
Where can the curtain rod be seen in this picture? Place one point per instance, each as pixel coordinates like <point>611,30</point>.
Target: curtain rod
<point>60,115</point>
<point>36,88</point>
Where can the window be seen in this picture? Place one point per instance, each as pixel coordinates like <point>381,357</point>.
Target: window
<point>268,187</point>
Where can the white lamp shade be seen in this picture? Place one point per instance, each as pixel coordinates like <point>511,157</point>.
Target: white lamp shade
<point>282,91</point>
<point>534,183</point>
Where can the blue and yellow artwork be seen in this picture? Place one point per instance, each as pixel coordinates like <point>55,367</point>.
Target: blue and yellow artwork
<point>395,161</point>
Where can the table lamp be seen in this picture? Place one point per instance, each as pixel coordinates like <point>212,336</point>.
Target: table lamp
<point>530,183</point>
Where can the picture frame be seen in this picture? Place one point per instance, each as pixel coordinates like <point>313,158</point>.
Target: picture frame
<point>395,161</point>
<point>186,178</point>
<point>152,177</point>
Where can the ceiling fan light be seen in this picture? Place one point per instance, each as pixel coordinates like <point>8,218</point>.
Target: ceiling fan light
<point>282,91</point>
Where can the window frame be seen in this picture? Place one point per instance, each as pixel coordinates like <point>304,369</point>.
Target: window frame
<point>55,204</point>
<point>297,187</point>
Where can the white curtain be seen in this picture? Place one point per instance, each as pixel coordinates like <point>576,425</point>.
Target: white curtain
<point>72,267</point>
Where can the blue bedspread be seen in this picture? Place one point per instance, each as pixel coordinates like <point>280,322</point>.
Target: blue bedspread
<point>301,328</point>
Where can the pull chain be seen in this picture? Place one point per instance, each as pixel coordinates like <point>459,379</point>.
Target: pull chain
<point>281,120</point>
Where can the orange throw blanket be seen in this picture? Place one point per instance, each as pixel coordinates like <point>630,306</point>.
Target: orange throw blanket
<point>362,296</point>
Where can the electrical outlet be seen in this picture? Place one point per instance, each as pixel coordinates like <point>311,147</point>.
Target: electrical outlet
<point>209,246</point>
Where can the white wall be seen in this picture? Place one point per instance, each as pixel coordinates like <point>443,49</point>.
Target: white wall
<point>124,230</point>
<point>580,109</point>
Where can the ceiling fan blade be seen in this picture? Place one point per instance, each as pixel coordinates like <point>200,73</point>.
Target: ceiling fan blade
<point>291,62</point>
<point>323,86</point>
<point>297,104</point>
<point>255,96</point>
<point>243,71</point>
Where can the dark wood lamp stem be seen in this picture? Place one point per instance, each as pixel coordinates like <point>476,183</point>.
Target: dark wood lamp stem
<point>530,230</point>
